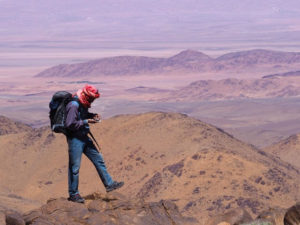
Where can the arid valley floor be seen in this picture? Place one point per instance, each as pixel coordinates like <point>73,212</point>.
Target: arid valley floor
<point>208,134</point>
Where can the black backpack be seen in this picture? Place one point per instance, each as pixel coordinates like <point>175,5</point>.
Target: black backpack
<point>57,112</point>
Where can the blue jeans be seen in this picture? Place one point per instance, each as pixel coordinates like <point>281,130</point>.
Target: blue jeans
<point>76,148</point>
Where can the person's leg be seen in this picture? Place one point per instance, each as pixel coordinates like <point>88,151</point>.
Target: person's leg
<point>76,147</point>
<point>92,153</point>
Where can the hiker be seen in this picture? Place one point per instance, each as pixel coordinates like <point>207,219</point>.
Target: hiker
<point>77,123</point>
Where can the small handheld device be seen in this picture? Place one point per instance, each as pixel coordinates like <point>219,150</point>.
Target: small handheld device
<point>98,120</point>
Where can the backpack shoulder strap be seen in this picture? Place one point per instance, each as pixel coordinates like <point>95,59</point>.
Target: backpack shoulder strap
<point>75,99</point>
<point>75,103</point>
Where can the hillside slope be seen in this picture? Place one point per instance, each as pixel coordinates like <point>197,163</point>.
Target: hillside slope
<point>159,156</point>
<point>8,126</point>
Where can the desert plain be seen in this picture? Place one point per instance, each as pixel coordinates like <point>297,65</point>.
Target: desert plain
<point>250,94</point>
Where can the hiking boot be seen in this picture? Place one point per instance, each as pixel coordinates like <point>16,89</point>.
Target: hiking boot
<point>115,185</point>
<point>76,198</point>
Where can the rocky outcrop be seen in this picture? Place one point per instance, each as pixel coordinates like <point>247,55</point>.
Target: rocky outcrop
<point>116,209</point>
<point>108,209</point>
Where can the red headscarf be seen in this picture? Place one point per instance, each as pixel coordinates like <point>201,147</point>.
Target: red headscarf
<point>87,95</point>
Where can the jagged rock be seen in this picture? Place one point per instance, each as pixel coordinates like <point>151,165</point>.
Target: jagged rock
<point>32,216</point>
<point>108,209</point>
<point>292,216</point>
<point>273,216</point>
<point>233,217</point>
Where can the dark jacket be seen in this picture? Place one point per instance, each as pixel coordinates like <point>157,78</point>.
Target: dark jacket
<point>76,119</point>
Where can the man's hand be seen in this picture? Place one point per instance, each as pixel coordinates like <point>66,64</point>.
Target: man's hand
<point>92,121</point>
<point>97,117</point>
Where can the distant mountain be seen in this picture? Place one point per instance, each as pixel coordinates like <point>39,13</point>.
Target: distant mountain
<point>107,66</point>
<point>170,156</point>
<point>288,150</point>
<point>236,88</point>
<point>187,61</point>
<point>259,56</point>
<point>189,56</point>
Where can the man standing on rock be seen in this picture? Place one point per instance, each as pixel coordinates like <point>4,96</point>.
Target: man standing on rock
<point>77,123</point>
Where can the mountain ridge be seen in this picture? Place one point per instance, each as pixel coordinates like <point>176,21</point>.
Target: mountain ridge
<point>8,126</point>
<point>187,61</point>
<point>232,88</point>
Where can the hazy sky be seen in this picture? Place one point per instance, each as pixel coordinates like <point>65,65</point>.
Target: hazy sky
<point>148,24</point>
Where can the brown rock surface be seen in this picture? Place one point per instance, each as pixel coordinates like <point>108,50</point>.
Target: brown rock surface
<point>235,216</point>
<point>292,216</point>
<point>108,209</point>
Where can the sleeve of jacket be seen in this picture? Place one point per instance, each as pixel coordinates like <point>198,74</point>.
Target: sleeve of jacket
<point>73,122</point>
